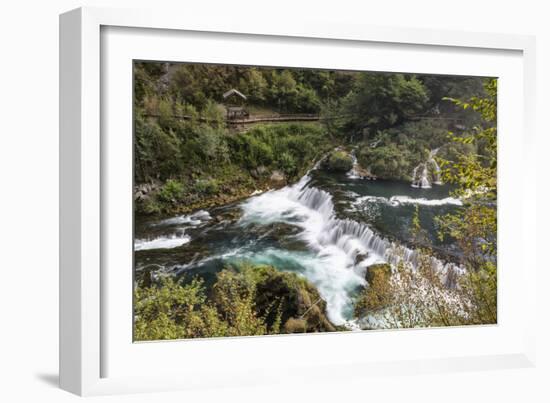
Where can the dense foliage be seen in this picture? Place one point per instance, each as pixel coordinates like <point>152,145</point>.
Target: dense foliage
<point>475,230</point>
<point>407,297</point>
<point>339,160</point>
<point>394,119</point>
<point>187,157</point>
<point>244,301</point>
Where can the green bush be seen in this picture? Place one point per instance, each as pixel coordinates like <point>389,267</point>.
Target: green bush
<point>210,144</point>
<point>390,161</point>
<point>339,161</point>
<point>149,206</point>
<point>157,152</point>
<point>165,112</point>
<point>207,186</point>
<point>171,191</point>
<point>243,301</point>
<point>287,163</point>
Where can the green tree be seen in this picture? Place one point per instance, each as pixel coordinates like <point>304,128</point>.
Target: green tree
<point>171,311</point>
<point>244,300</point>
<point>475,229</point>
<point>380,101</point>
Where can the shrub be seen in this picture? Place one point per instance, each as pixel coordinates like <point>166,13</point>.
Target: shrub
<point>211,144</point>
<point>339,161</point>
<point>243,301</point>
<point>378,293</point>
<point>149,206</point>
<point>214,114</point>
<point>171,192</point>
<point>207,186</point>
<point>389,162</point>
<point>165,113</point>
<point>157,153</point>
<point>287,163</point>
<point>294,325</point>
<point>170,310</point>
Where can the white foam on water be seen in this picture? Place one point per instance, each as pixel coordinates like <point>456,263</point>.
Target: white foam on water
<point>191,219</point>
<point>426,202</point>
<point>174,240</point>
<point>342,248</point>
<point>163,242</point>
<point>335,244</point>
<point>396,201</point>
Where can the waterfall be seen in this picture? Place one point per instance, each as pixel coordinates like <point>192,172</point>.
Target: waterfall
<point>353,173</point>
<point>437,169</point>
<point>423,180</point>
<point>356,171</point>
<point>344,247</point>
<point>351,236</point>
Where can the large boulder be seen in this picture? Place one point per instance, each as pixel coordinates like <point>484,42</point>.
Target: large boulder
<point>383,270</point>
<point>298,301</point>
<point>143,191</point>
<point>378,294</point>
<point>277,179</point>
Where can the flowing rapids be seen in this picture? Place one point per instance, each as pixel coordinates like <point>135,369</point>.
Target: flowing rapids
<point>338,243</point>
<point>302,228</point>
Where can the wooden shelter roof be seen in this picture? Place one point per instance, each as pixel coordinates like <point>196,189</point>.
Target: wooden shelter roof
<point>233,91</point>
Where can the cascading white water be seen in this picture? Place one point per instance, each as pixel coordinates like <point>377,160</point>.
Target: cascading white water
<point>337,243</point>
<point>422,181</point>
<point>163,242</point>
<point>437,169</point>
<point>353,173</point>
<point>179,237</point>
<point>397,201</point>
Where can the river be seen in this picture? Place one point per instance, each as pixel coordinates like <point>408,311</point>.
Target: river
<point>328,227</point>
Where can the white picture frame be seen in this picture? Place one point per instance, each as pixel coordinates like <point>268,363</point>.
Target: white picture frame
<point>88,317</point>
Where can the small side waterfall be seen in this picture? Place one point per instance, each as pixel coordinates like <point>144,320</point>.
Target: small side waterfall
<point>357,171</point>
<point>422,180</point>
<point>436,168</point>
<point>353,173</point>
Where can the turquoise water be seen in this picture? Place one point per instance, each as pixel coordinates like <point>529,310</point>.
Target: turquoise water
<point>327,227</point>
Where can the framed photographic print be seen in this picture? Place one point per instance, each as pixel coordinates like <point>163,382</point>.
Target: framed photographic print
<point>236,198</point>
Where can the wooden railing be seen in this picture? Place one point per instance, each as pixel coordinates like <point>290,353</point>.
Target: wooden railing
<point>297,117</point>
<point>302,117</point>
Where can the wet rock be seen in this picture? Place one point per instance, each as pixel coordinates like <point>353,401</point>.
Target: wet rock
<point>277,178</point>
<point>294,325</point>
<point>363,173</point>
<point>298,300</point>
<point>258,172</point>
<point>228,216</point>
<point>143,191</point>
<point>360,257</point>
<point>379,269</point>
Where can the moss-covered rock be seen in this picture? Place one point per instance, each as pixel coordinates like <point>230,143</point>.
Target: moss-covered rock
<point>293,325</point>
<point>382,270</point>
<point>339,161</point>
<point>378,294</point>
<point>290,296</point>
